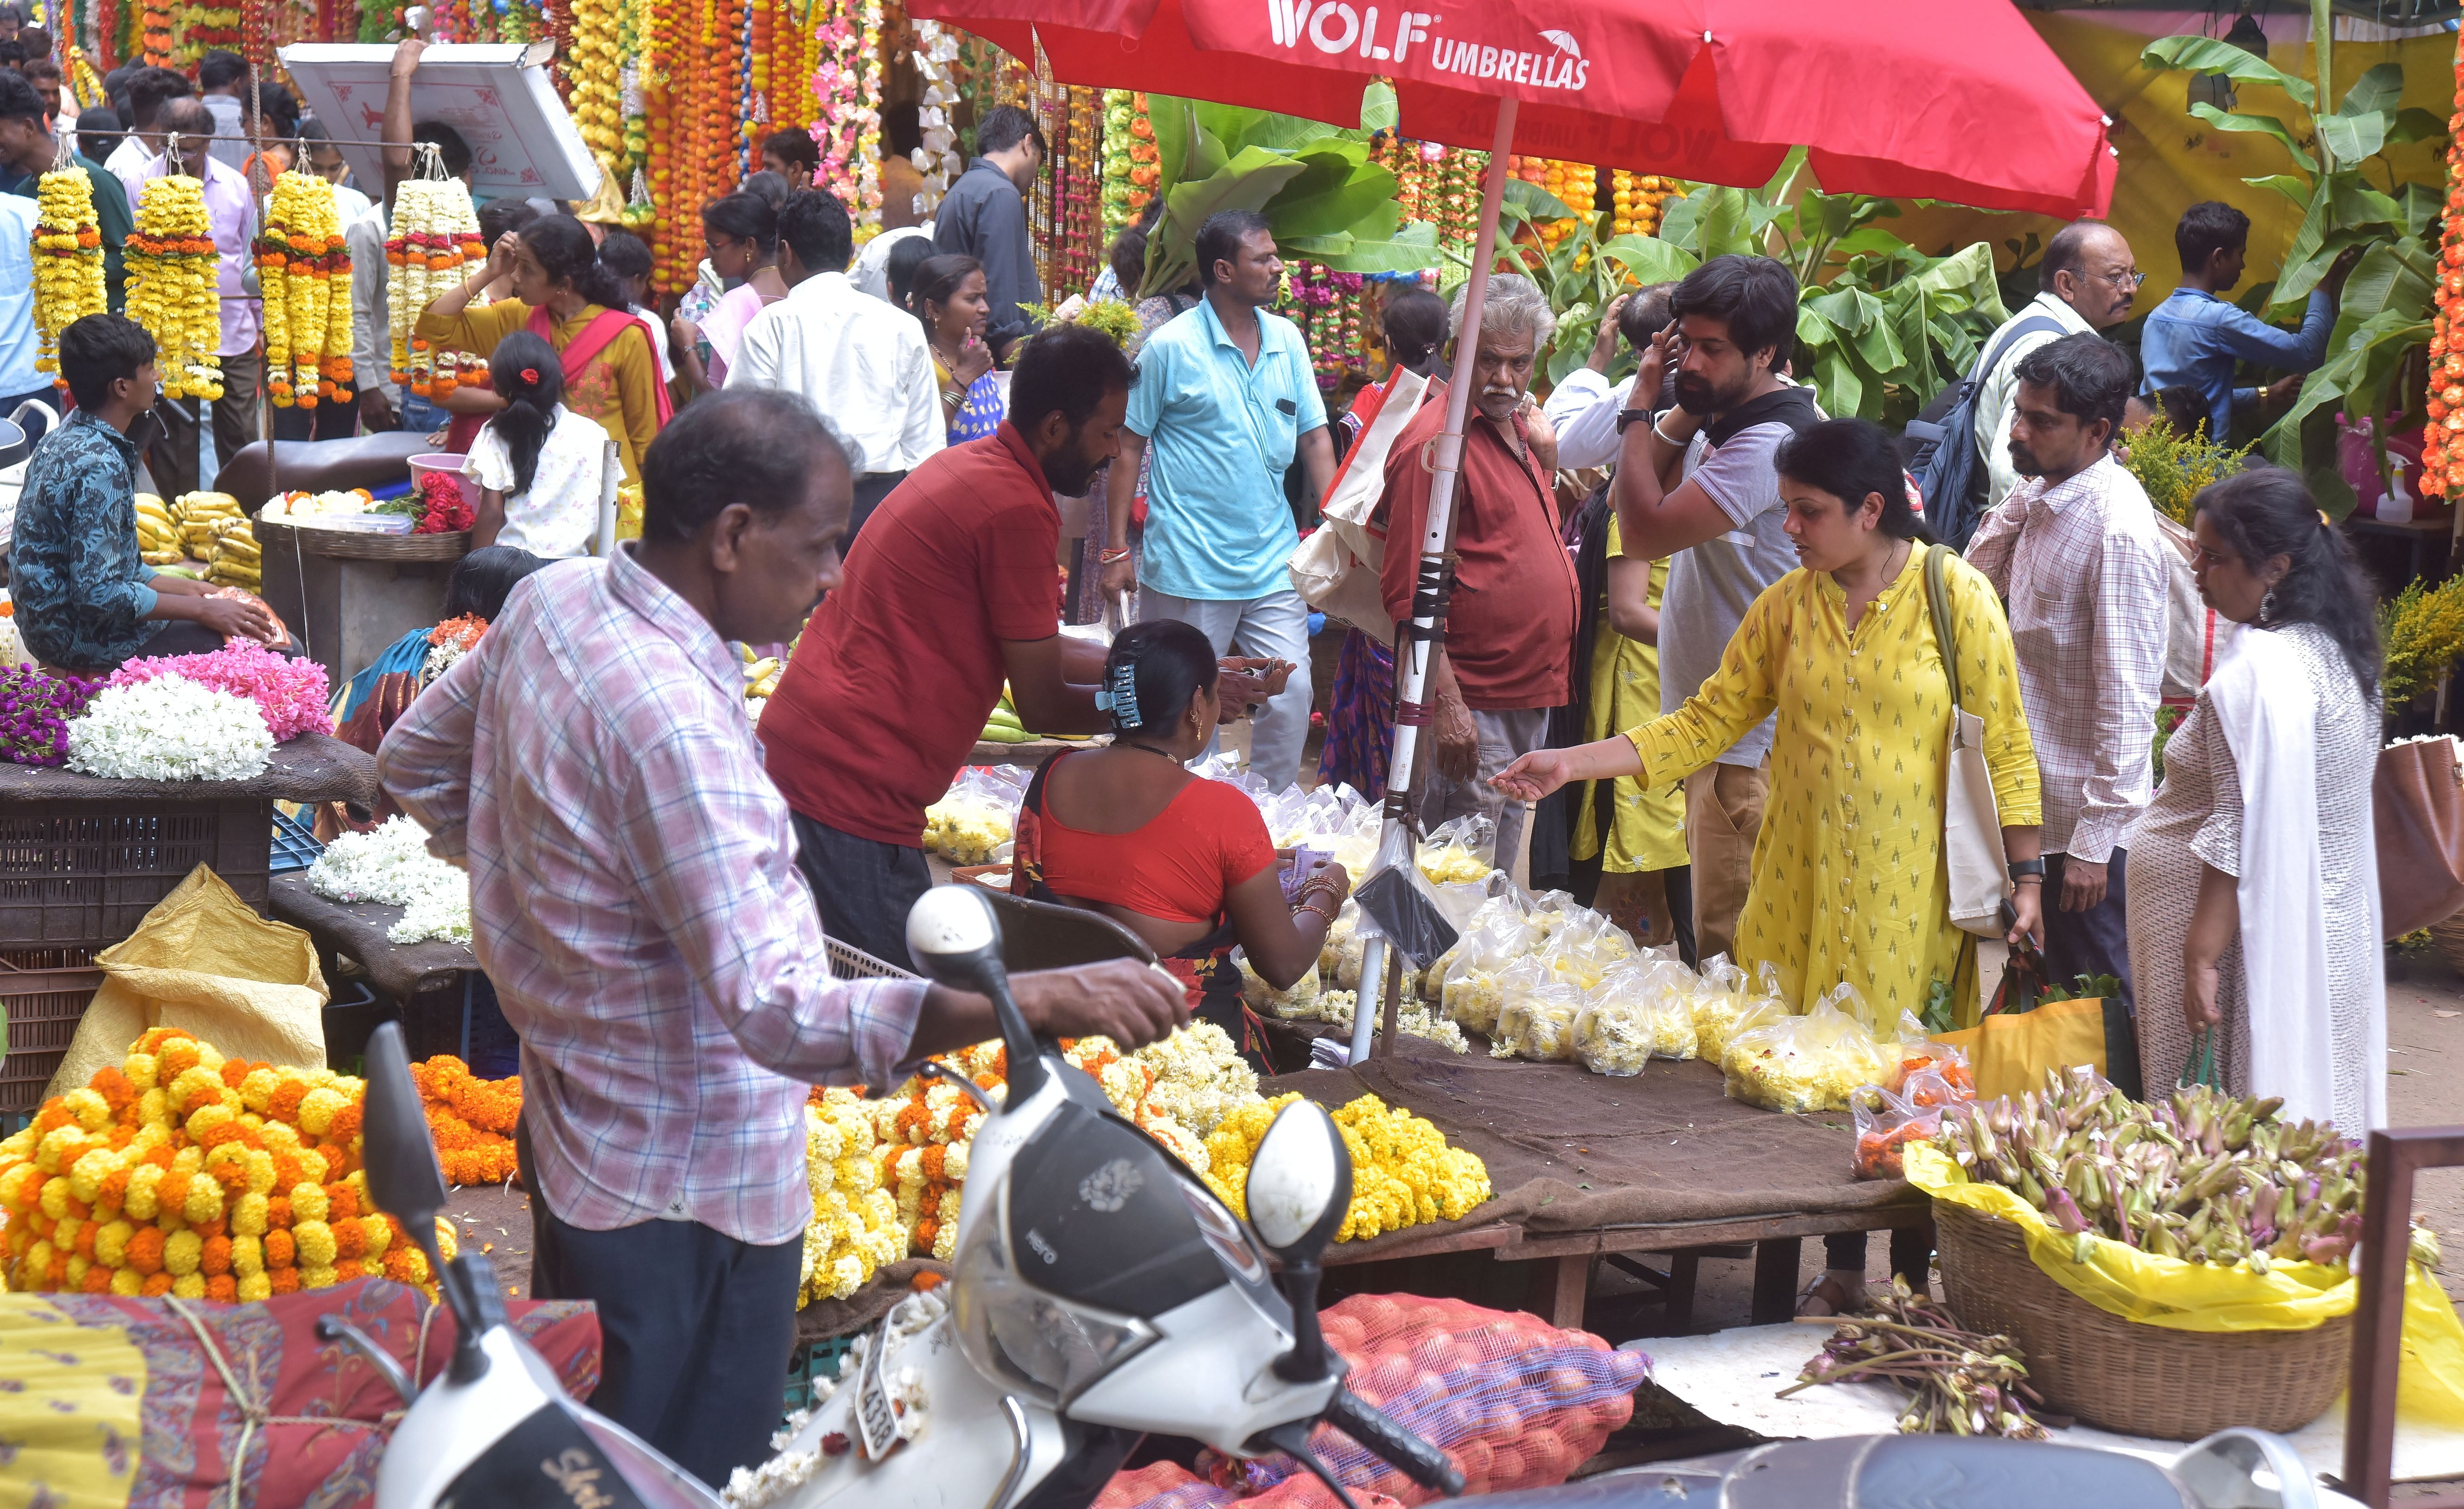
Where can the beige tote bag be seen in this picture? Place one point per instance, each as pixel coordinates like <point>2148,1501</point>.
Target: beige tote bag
<point>1335,569</point>
<point>1978,867</point>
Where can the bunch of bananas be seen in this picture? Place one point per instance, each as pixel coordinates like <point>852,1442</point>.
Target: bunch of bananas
<point>158,532</point>
<point>211,527</point>
<point>760,675</point>
<point>232,559</point>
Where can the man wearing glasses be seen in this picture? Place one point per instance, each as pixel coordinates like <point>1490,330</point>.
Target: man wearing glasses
<point>2087,280</point>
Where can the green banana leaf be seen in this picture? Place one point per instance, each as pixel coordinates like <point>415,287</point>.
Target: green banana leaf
<point>2210,55</point>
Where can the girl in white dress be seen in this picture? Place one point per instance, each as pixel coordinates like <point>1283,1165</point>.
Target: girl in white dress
<point>547,475</point>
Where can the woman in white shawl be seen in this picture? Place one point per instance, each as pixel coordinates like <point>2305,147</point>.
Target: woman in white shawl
<point>2254,881</point>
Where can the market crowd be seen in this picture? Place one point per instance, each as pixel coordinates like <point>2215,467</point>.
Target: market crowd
<point>1703,662</point>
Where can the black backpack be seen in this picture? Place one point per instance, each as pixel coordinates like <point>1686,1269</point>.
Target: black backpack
<point>1941,444</point>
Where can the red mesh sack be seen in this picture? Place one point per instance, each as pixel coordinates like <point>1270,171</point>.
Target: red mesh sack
<point>1514,1401</point>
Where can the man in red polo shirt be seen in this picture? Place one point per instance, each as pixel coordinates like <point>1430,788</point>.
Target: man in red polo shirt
<point>1509,638</point>
<point>952,589</point>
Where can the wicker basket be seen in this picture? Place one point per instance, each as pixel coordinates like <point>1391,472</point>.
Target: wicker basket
<point>344,544</point>
<point>2449,935</point>
<point>2122,1376</point>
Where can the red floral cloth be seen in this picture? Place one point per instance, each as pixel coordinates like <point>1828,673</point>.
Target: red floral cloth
<point>193,1426</point>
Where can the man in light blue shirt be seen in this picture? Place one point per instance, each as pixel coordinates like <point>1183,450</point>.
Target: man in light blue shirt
<point>19,381</point>
<point>2196,337</point>
<point>1224,400</point>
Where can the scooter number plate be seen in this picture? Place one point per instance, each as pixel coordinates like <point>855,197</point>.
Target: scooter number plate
<point>877,1418</point>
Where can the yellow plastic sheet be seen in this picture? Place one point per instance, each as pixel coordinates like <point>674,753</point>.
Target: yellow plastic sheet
<point>203,960</point>
<point>2140,1286</point>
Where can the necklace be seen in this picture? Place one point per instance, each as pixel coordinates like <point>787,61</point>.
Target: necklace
<point>1149,747</point>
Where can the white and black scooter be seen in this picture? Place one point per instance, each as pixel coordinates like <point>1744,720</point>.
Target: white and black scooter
<point>1101,1293</point>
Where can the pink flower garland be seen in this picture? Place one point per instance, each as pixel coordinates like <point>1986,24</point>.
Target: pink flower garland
<point>291,693</point>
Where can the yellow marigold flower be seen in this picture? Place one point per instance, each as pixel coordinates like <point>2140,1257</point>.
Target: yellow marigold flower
<point>321,1277</point>
<point>255,1288</point>
<point>193,1084</point>
<point>92,1111</point>
<point>317,1111</point>
<point>127,1283</point>
<point>249,1214</point>
<point>449,1245</point>
<point>206,1118</point>
<point>188,1286</point>
<point>111,1243</point>
<point>182,1251</point>
<point>92,1167</point>
<point>38,1257</point>
<point>278,1136</point>
<point>20,1187</point>
<point>60,1147</point>
<point>379,1237</point>
<point>189,1160</point>
<point>55,1197</point>
<point>307,1203</point>
<point>316,1242</point>
<point>205,1202</point>
<point>143,1203</point>
<point>78,1264</point>
<point>140,1069</point>
<point>154,1110</point>
<point>248,1255</point>
<point>210,1058</point>
<point>260,1172</point>
<point>257,1091</point>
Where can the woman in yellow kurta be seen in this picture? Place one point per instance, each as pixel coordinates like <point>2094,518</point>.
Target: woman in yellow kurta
<point>1643,833</point>
<point>1848,880</point>
<point>561,294</point>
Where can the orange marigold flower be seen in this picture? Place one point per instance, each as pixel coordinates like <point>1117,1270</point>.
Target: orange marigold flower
<point>156,1285</point>
<point>346,1124</point>
<point>341,1202</point>
<point>284,1103</point>
<point>217,1257</point>
<point>114,1087</point>
<point>350,1242</point>
<point>223,1289</point>
<point>234,1070</point>
<point>145,1250</point>
<point>97,1280</point>
<point>282,1281</point>
<point>51,1118</point>
<point>277,1212</point>
<point>83,1243</point>
<point>280,1251</point>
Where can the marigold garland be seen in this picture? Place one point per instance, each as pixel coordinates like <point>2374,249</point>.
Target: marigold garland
<point>172,288</point>
<point>471,1119</point>
<point>855,1227</point>
<point>2442,448</point>
<point>300,253</point>
<point>592,71</point>
<point>68,261</point>
<point>1636,202</point>
<point>186,1173</point>
<point>435,236</point>
<point>1403,1174</point>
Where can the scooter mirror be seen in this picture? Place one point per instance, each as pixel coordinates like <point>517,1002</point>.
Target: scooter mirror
<point>1300,1183</point>
<point>400,1158</point>
<point>952,932</point>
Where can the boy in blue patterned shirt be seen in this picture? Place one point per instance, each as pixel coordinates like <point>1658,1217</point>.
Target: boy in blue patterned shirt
<point>84,600</point>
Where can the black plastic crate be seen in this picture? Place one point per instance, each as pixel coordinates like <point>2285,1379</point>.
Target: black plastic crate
<point>87,872</point>
<point>44,993</point>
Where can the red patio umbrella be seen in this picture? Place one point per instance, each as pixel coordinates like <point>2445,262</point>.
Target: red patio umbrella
<point>1955,99</point>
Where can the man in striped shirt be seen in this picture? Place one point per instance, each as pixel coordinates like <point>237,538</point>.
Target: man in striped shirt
<point>2077,556</point>
<point>635,899</point>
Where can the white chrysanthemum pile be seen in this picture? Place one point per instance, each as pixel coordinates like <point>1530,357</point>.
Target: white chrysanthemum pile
<point>391,867</point>
<point>169,729</point>
<point>1199,1077</point>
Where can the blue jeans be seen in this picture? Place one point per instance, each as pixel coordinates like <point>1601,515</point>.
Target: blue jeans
<point>1274,625</point>
<point>421,415</point>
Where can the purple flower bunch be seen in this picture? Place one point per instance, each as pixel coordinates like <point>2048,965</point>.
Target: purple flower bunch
<point>34,712</point>
<point>291,693</point>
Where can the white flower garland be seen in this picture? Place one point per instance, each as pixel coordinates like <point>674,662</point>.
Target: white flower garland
<point>169,729</point>
<point>392,867</point>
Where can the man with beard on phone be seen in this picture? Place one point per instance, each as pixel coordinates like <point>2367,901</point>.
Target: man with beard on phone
<point>1697,483</point>
<point>954,591</point>
<point>84,600</point>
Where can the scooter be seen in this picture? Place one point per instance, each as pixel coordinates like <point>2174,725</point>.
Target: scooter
<point>1101,1292</point>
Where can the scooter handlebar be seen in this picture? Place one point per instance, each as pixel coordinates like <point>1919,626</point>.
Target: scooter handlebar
<point>1414,1457</point>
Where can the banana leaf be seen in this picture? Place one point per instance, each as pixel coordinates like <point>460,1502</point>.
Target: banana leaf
<point>2209,54</point>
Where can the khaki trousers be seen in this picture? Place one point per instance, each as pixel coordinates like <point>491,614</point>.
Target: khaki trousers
<point>1724,814</point>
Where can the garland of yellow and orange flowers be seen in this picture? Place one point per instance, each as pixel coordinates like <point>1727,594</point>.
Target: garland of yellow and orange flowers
<point>171,288</point>
<point>471,1119</point>
<point>68,261</point>
<point>2442,449</point>
<point>593,72</point>
<point>306,275</point>
<point>183,1173</point>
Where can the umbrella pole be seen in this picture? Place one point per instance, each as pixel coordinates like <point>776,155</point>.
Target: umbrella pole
<point>1426,633</point>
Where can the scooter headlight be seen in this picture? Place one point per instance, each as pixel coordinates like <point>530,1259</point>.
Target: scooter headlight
<point>1011,1330</point>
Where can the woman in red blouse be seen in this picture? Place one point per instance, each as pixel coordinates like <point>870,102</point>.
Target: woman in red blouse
<point>1184,863</point>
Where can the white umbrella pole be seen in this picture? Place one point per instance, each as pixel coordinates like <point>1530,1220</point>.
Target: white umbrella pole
<point>1427,632</point>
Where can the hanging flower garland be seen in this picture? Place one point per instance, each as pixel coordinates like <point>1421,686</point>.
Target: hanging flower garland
<point>936,50</point>
<point>171,286</point>
<point>68,261</point>
<point>2442,446</point>
<point>197,29</point>
<point>838,84</point>
<point>155,34</point>
<point>591,76</point>
<point>436,234</point>
<point>300,255</point>
<point>1636,203</point>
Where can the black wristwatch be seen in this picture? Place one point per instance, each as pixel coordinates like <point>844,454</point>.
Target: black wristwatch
<point>2019,868</point>
<point>1635,416</point>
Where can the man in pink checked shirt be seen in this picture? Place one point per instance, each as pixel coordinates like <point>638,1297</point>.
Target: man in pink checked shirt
<point>635,897</point>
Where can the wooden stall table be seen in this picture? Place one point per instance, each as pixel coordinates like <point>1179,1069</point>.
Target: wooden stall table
<point>349,596</point>
<point>1587,1167</point>
<point>399,972</point>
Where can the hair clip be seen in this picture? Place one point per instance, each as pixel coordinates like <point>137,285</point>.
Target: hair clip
<point>1120,696</point>
<point>530,374</point>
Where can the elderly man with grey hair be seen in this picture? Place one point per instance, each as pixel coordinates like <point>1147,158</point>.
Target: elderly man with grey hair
<point>1512,607</point>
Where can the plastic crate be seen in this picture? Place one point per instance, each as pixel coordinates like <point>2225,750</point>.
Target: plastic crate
<point>295,847</point>
<point>847,962</point>
<point>44,993</point>
<point>87,872</point>
<point>810,1363</point>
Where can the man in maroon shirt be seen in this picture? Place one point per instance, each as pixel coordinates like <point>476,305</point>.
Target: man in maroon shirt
<point>952,589</point>
<point>1509,637</point>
